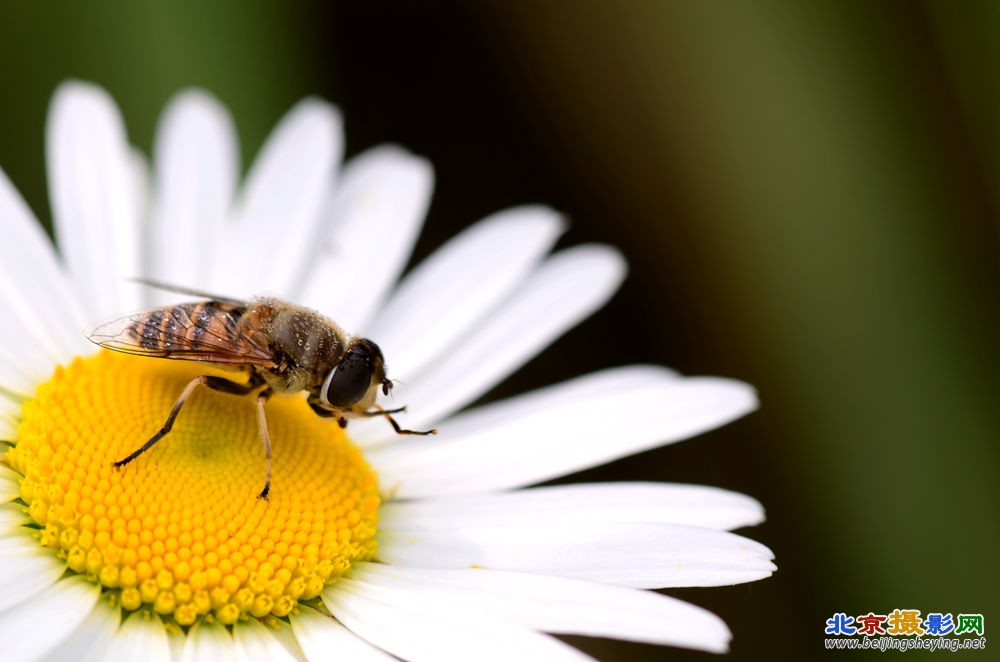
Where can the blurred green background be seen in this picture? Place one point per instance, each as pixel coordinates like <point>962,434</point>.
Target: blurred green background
<point>807,194</point>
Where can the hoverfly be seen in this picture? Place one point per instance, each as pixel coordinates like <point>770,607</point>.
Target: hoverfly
<point>280,346</point>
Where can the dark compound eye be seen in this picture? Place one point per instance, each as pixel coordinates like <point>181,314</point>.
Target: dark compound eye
<point>351,379</point>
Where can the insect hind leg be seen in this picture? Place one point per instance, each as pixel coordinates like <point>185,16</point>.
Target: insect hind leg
<point>214,383</point>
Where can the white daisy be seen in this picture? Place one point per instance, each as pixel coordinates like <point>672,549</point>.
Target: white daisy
<point>372,545</point>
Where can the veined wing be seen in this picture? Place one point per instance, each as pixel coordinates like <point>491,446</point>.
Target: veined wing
<point>198,331</point>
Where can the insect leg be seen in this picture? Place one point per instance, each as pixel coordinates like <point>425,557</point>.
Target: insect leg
<point>320,410</point>
<point>226,386</point>
<point>265,438</point>
<point>378,411</point>
<point>215,383</point>
<point>381,412</point>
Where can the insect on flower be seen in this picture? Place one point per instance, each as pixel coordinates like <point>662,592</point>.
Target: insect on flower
<point>279,346</point>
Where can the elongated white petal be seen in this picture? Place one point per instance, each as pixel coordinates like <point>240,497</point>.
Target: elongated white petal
<point>90,641</point>
<point>641,555</point>
<point>287,639</point>
<point>578,424</point>
<point>92,187</point>
<point>42,318</point>
<point>32,629</point>
<point>140,638</point>
<point>197,165</point>
<point>18,374</point>
<point>375,217</point>
<point>567,287</point>
<point>10,406</point>
<point>593,386</point>
<point>323,638</point>
<point>7,429</point>
<point>413,628</point>
<point>208,642</point>
<point>142,185</point>
<point>10,484</point>
<point>460,284</point>
<point>27,571</point>
<point>254,642</point>
<point>561,606</point>
<point>280,214</point>
<point>12,521</point>
<point>176,644</point>
<point>579,505</point>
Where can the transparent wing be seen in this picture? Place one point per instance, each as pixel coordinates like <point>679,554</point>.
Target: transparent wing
<point>199,331</point>
<point>180,289</point>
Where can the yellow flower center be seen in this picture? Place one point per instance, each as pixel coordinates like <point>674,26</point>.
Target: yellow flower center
<point>179,529</point>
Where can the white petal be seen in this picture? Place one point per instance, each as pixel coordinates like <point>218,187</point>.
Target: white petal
<point>279,216</point>
<point>42,321</point>
<point>287,639</point>
<point>256,642</point>
<point>9,405</point>
<point>90,641</point>
<point>641,555</point>
<point>12,521</point>
<point>32,629</point>
<point>208,642</point>
<point>323,638</point>
<point>10,484</point>
<point>593,386</point>
<point>10,409</point>
<point>28,257</point>
<point>142,181</point>
<point>567,287</point>
<point>176,644</point>
<point>27,571</point>
<point>409,626</point>
<point>580,505</point>
<point>581,423</point>
<point>197,165</point>
<point>17,380</point>
<point>140,638</point>
<point>563,606</point>
<point>376,215</point>
<point>92,189</point>
<point>460,284</point>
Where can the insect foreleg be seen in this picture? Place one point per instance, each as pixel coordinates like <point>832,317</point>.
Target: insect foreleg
<point>378,411</point>
<point>320,410</point>
<point>214,383</point>
<point>265,439</point>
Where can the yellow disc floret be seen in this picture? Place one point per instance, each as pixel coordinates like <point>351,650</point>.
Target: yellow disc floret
<point>179,530</point>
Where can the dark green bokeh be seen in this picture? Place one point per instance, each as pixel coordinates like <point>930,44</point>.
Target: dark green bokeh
<point>807,196</point>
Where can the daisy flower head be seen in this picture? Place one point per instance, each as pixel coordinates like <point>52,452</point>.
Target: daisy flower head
<point>370,544</point>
